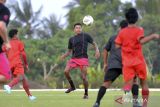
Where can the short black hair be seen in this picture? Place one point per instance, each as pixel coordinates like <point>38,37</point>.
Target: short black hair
<point>131,15</point>
<point>13,32</point>
<point>123,24</point>
<point>77,24</point>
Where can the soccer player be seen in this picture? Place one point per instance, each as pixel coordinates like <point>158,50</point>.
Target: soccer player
<point>130,39</point>
<point>78,47</point>
<point>113,67</point>
<point>18,61</point>
<point>4,20</point>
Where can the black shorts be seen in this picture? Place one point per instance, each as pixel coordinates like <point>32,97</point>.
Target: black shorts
<point>112,74</point>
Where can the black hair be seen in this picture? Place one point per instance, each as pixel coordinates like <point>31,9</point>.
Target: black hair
<point>13,32</point>
<point>77,24</point>
<point>123,24</point>
<point>131,15</point>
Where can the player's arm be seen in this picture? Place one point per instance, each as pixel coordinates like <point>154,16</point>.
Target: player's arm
<point>97,54</point>
<point>146,39</point>
<point>106,50</point>
<point>94,44</point>
<point>4,36</point>
<point>105,58</point>
<point>23,54</point>
<point>118,41</point>
<point>66,54</point>
<point>70,46</point>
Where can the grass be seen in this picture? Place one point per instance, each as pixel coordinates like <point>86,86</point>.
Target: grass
<point>60,99</point>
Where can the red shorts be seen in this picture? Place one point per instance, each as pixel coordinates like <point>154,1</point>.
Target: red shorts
<point>129,72</point>
<point>78,62</point>
<point>18,69</point>
<point>4,66</point>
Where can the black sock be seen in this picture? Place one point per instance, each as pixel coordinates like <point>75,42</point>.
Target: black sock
<point>86,92</point>
<point>101,93</point>
<point>72,84</point>
<point>135,91</point>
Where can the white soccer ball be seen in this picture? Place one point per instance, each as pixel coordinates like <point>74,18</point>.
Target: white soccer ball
<point>88,20</point>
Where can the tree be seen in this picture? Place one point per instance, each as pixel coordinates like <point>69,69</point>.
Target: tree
<point>50,26</point>
<point>25,17</point>
<point>150,19</point>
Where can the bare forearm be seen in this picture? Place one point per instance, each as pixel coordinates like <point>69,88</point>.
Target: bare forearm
<point>95,46</point>
<point>3,32</point>
<point>148,38</point>
<point>67,53</point>
<point>24,57</point>
<point>117,45</point>
<point>105,56</point>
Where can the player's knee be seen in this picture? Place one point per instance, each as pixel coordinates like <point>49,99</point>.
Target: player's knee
<point>84,79</point>
<point>135,89</point>
<point>107,84</point>
<point>66,72</point>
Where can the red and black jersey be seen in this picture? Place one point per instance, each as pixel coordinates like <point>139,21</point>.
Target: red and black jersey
<point>79,45</point>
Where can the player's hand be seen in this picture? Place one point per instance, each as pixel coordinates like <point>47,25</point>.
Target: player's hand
<point>62,57</point>
<point>105,67</point>
<point>6,46</point>
<point>156,36</point>
<point>97,54</point>
<point>27,68</point>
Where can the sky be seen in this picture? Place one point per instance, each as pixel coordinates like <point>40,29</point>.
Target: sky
<point>54,7</point>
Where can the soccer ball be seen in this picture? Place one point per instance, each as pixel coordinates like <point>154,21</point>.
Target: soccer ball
<point>88,20</point>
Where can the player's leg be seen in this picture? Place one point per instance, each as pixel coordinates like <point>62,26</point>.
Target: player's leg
<point>128,76</point>
<point>135,92</point>
<point>145,92</point>
<point>2,80</point>
<point>142,74</point>
<point>67,75</point>
<point>5,74</point>
<point>15,81</point>
<point>85,81</point>
<point>110,76</point>
<point>26,88</point>
<point>18,73</point>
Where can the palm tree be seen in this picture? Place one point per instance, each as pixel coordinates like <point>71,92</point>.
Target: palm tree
<point>26,17</point>
<point>50,26</point>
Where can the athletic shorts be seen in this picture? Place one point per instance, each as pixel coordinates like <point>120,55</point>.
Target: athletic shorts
<point>129,72</point>
<point>4,66</point>
<point>18,69</point>
<point>112,74</point>
<point>78,62</point>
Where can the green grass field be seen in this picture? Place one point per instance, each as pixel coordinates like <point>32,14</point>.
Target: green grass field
<point>60,99</point>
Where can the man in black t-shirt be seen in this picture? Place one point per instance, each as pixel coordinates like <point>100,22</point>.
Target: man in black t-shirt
<point>4,42</point>
<point>78,45</point>
<point>113,68</point>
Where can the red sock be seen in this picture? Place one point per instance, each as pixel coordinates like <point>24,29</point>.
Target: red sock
<point>145,95</point>
<point>26,86</point>
<point>14,81</point>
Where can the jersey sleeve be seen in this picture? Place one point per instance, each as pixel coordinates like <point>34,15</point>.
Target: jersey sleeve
<point>108,45</point>
<point>140,34</point>
<point>70,45</point>
<point>89,39</point>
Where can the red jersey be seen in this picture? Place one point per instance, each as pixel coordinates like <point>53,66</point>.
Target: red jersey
<point>129,38</point>
<point>14,54</point>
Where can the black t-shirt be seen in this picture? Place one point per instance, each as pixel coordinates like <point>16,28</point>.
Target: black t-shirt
<point>79,45</point>
<point>4,16</point>
<point>114,59</point>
